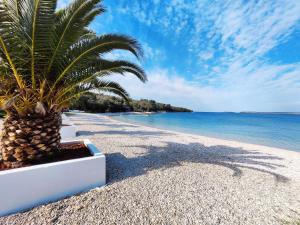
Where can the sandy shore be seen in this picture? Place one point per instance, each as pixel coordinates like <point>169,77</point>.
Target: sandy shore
<point>162,177</point>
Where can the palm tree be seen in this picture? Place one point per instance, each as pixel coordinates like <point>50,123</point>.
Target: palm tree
<point>47,58</point>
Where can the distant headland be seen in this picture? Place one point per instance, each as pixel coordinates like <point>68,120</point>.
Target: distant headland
<point>100,103</point>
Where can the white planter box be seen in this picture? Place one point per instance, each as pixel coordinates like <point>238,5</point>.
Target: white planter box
<point>68,129</point>
<point>27,187</point>
<point>67,132</point>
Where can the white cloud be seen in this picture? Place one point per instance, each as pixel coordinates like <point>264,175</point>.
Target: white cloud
<point>253,92</point>
<point>206,55</point>
<point>152,53</point>
<point>254,28</point>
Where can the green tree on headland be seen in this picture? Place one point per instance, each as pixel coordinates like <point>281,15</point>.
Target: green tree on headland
<point>92,102</point>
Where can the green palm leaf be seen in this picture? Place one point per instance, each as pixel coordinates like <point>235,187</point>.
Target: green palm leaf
<point>92,47</point>
<point>70,25</point>
<point>41,33</point>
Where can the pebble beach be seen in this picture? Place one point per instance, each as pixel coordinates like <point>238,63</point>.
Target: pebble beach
<point>157,176</point>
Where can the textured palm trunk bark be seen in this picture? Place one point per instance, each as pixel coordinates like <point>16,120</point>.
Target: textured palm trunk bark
<point>29,139</point>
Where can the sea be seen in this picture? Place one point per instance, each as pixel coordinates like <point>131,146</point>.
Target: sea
<point>278,130</point>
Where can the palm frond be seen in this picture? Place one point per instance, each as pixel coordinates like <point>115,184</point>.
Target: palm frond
<point>110,87</point>
<point>42,22</point>
<point>122,67</point>
<point>13,34</point>
<point>97,46</point>
<point>100,69</point>
<point>71,24</point>
<point>8,57</point>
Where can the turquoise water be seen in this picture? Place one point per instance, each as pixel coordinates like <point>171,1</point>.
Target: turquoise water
<point>275,130</point>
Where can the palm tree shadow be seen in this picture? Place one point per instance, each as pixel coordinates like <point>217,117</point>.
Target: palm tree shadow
<point>175,154</point>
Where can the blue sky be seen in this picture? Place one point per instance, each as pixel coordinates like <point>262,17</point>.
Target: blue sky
<point>212,55</point>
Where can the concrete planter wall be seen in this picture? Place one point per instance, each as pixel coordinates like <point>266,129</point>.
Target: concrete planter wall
<point>24,188</point>
<point>68,129</point>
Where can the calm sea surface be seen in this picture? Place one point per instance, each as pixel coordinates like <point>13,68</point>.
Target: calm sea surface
<point>275,130</point>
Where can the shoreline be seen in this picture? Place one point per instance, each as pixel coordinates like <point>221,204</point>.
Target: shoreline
<point>204,138</point>
<point>216,139</point>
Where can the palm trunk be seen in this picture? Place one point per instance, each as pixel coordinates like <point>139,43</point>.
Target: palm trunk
<point>29,139</point>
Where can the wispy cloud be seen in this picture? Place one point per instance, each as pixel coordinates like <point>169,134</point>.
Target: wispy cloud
<point>257,92</point>
<point>151,53</point>
<point>231,25</point>
<point>230,40</point>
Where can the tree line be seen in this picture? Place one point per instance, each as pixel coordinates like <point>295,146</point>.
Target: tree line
<point>100,103</point>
